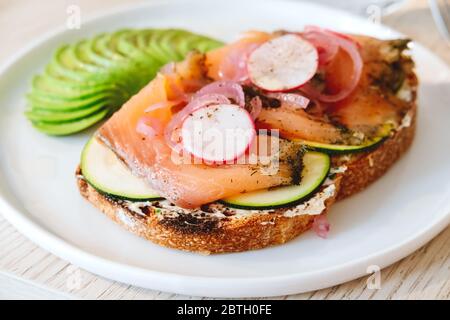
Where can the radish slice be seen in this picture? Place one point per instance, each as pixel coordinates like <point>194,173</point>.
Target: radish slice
<point>283,63</point>
<point>218,133</point>
<point>176,121</point>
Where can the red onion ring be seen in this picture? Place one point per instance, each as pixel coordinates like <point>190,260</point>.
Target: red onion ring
<point>168,68</point>
<point>229,89</point>
<point>158,105</point>
<point>291,100</point>
<point>234,66</point>
<point>321,226</point>
<point>176,89</point>
<point>326,46</point>
<point>195,104</point>
<point>349,46</point>
<point>149,126</point>
<point>338,34</point>
<point>256,107</point>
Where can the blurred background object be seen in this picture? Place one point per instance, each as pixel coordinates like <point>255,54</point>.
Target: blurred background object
<point>441,14</point>
<point>414,18</point>
<point>361,7</point>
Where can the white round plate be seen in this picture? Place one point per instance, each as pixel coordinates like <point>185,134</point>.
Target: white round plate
<point>392,218</point>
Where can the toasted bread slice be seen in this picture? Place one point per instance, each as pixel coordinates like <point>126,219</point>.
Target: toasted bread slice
<point>225,229</point>
<point>214,228</point>
<point>218,229</point>
<point>364,168</point>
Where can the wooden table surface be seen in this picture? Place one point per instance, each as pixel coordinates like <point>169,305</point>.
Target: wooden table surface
<point>27,271</point>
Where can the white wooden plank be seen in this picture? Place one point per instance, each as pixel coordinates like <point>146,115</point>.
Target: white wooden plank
<point>14,288</point>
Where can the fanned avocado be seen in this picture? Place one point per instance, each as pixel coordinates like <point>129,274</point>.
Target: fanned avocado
<point>43,115</point>
<point>51,88</point>
<point>87,81</point>
<point>70,127</point>
<point>61,104</point>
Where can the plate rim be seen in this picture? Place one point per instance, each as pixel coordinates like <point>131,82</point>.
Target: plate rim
<point>216,286</point>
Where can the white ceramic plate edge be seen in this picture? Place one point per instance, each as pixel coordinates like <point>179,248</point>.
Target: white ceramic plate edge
<point>218,287</point>
<point>214,287</point>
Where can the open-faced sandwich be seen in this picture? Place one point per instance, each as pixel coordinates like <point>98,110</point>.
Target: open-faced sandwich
<point>250,144</point>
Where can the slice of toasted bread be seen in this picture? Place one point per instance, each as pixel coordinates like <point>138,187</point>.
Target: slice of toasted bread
<point>232,230</point>
<point>214,228</point>
<point>219,229</point>
<point>364,168</point>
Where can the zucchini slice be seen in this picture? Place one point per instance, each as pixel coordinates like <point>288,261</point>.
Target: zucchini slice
<point>316,167</point>
<point>334,149</point>
<point>383,133</point>
<point>104,171</point>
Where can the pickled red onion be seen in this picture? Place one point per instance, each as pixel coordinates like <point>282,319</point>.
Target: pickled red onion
<point>291,100</point>
<point>310,28</point>
<point>149,126</point>
<point>326,46</point>
<point>158,105</point>
<point>234,66</point>
<point>231,90</point>
<point>256,107</point>
<point>321,226</point>
<point>175,86</point>
<point>168,68</point>
<point>351,48</point>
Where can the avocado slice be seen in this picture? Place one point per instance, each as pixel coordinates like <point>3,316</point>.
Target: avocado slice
<point>65,63</point>
<point>66,128</point>
<point>82,56</point>
<point>127,45</point>
<point>169,42</point>
<point>126,71</point>
<point>200,43</point>
<point>47,86</point>
<point>88,80</point>
<point>43,115</point>
<point>96,49</point>
<point>64,105</point>
<point>153,46</point>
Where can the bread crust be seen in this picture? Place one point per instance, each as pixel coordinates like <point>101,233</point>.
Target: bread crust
<point>365,168</point>
<point>229,235</point>
<point>257,231</point>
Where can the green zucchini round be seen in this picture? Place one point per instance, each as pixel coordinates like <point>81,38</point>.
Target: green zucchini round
<point>104,171</point>
<point>335,149</point>
<point>316,167</point>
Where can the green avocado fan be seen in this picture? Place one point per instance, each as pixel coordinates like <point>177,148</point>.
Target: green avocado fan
<point>87,81</point>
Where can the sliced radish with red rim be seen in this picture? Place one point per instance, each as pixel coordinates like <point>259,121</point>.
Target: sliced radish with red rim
<point>283,64</point>
<point>218,133</point>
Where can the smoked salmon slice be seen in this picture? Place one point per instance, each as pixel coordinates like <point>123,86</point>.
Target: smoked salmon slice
<point>371,104</point>
<point>188,185</point>
<point>367,109</point>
